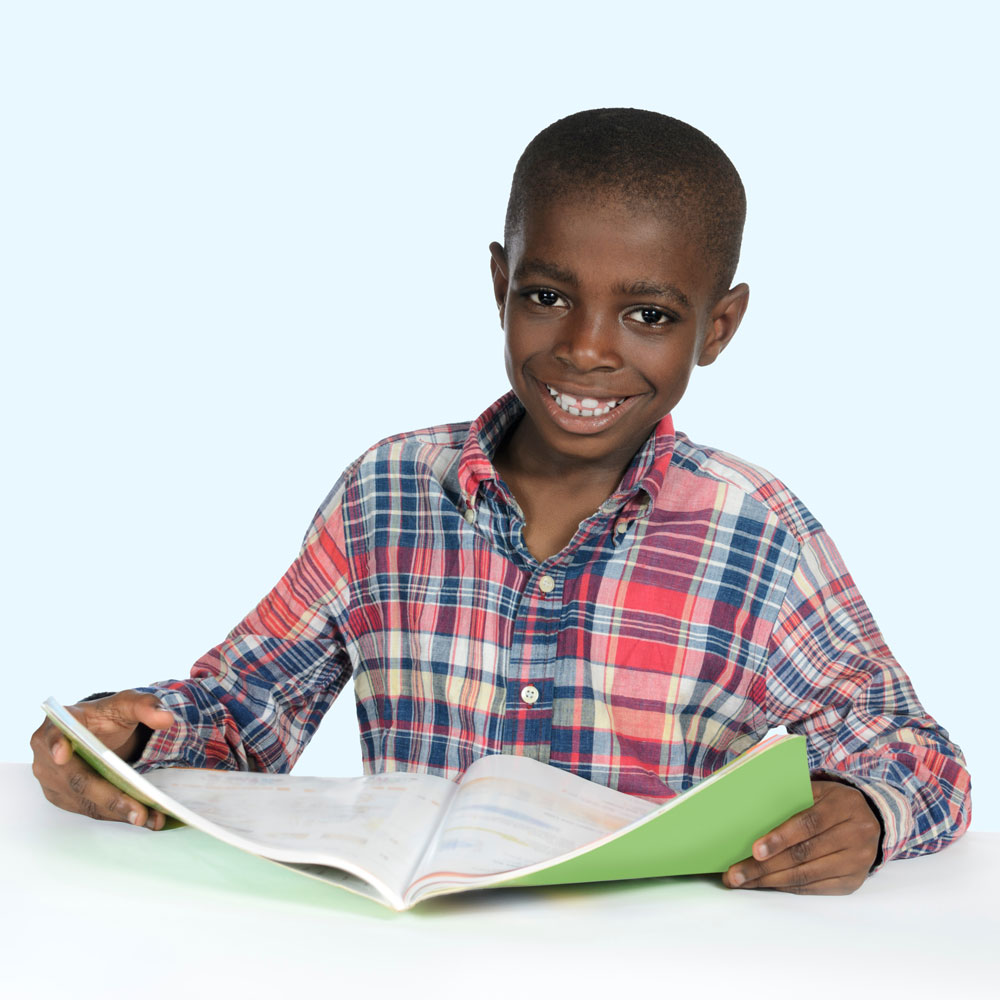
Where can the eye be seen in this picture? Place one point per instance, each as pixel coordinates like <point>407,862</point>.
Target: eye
<point>651,316</point>
<point>544,297</point>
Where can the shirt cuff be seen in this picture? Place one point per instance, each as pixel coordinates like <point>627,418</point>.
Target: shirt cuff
<point>177,746</point>
<point>891,808</point>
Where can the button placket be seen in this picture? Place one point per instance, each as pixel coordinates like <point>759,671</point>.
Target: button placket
<point>530,680</point>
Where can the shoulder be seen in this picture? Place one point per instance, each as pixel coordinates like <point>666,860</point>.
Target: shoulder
<point>440,435</point>
<point>400,466</point>
<point>429,451</point>
<point>744,486</point>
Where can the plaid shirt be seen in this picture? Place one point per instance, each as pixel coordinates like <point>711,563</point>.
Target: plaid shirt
<point>699,606</point>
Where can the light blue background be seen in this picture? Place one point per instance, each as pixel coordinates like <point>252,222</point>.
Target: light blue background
<point>241,242</point>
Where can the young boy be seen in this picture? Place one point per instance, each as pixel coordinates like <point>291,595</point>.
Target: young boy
<point>567,577</point>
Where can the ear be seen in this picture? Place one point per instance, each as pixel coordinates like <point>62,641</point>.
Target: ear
<point>725,320</point>
<point>501,276</point>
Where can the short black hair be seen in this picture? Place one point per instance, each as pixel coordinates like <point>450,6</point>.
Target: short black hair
<point>645,157</point>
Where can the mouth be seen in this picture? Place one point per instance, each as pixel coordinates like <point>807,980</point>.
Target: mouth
<point>580,414</point>
<point>584,406</point>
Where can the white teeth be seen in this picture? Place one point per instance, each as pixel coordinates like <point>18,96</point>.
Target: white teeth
<point>586,407</point>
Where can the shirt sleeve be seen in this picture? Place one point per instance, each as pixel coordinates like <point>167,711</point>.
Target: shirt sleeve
<point>255,700</point>
<point>831,677</point>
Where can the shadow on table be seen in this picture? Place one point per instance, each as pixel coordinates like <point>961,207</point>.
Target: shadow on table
<point>193,862</point>
<point>587,893</point>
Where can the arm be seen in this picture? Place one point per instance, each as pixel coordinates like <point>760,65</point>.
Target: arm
<point>881,760</point>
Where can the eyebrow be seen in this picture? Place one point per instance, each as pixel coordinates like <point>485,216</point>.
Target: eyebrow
<point>545,268</point>
<point>654,290</point>
<point>536,266</point>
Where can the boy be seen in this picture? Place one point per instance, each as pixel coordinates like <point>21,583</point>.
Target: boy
<point>567,577</point>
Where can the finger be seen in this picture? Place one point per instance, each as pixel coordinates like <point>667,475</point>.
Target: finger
<point>750,869</point>
<point>49,745</point>
<point>60,749</point>
<point>83,790</point>
<point>833,874</point>
<point>801,827</point>
<point>827,811</point>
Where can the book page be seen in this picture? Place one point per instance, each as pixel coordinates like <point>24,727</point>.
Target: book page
<point>379,823</point>
<point>511,812</point>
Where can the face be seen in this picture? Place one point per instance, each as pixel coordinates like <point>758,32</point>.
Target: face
<point>606,310</point>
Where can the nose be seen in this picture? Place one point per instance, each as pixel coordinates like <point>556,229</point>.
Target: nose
<point>590,342</point>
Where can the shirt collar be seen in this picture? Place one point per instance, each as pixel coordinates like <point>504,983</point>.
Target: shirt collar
<point>645,472</point>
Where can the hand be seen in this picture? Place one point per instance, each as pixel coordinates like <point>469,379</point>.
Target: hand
<point>827,849</point>
<point>71,784</point>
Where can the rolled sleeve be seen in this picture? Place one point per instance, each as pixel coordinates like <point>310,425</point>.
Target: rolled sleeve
<point>831,677</point>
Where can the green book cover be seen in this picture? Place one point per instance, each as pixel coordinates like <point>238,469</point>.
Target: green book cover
<point>707,829</point>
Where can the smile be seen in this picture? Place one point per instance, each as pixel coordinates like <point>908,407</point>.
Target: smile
<point>585,407</point>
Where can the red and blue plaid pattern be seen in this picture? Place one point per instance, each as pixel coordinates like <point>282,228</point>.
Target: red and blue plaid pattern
<point>700,606</point>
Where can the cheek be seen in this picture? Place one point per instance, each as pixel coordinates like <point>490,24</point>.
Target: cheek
<point>668,361</point>
<point>518,348</point>
<point>668,370</point>
<point>513,358</point>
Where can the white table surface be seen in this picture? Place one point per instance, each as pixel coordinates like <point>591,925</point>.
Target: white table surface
<point>103,909</point>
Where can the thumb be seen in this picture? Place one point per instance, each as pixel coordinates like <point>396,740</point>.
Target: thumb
<point>121,712</point>
<point>154,715</point>
<point>150,712</point>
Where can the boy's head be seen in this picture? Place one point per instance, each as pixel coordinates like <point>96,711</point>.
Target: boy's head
<point>641,158</point>
<point>622,236</point>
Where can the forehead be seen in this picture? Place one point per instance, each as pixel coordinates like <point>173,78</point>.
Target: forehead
<point>610,242</point>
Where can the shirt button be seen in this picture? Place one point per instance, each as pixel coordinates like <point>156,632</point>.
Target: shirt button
<point>470,515</point>
<point>546,585</point>
<point>529,694</point>
<point>621,526</point>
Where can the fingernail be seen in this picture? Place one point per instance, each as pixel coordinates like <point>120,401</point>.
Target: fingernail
<point>151,823</point>
<point>737,879</point>
<point>133,817</point>
<point>763,851</point>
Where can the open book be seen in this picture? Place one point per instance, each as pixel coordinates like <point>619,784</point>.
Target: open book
<point>399,837</point>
